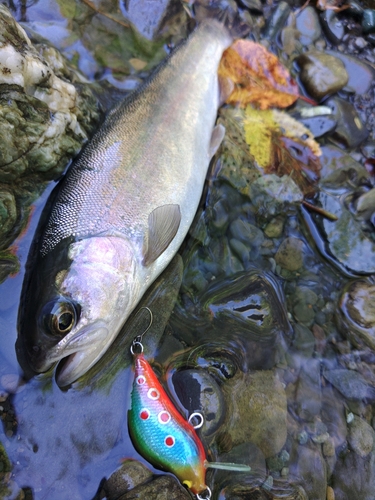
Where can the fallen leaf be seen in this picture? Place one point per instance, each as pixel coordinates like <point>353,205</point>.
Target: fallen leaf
<point>258,76</point>
<point>283,146</point>
<point>335,5</point>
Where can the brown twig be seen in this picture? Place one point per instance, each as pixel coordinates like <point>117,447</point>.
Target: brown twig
<point>320,211</point>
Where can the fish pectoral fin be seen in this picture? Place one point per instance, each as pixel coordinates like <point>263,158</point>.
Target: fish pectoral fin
<point>163,224</point>
<point>217,137</point>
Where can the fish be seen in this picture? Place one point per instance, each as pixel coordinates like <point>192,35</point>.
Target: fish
<point>160,433</point>
<point>122,211</point>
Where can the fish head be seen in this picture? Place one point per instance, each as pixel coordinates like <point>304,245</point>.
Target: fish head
<point>81,303</point>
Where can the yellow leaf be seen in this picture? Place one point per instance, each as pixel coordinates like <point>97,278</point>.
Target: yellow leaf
<point>281,145</point>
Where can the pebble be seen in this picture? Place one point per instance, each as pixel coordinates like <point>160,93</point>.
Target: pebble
<point>361,437</point>
<point>332,26</point>
<point>275,227</point>
<point>276,20</point>
<point>350,129</point>
<point>330,494</point>
<point>322,74</point>
<point>328,447</point>
<point>290,254</point>
<point>307,23</point>
<point>368,21</point>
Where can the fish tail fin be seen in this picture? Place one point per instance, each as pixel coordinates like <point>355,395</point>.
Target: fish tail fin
<point>224,12</point>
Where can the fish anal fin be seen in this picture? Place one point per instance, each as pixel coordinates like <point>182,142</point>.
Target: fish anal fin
<point>217,137</point>
<point>163,224</point>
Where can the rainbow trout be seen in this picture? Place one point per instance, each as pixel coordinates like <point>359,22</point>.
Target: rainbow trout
<point>122,211</point>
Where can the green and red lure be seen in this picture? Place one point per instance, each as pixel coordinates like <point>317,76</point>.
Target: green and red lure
<point>160,433</point>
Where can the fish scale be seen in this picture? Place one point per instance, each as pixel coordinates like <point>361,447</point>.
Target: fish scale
<point>160,433</point>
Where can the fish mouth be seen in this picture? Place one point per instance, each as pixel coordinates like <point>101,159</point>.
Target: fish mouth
<point>77,353</point>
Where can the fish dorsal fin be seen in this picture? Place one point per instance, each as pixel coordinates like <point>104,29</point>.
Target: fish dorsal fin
<point>217,137</point>
<point>163,224</point>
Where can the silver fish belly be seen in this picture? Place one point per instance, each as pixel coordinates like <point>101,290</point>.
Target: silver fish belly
<point>122,211</point>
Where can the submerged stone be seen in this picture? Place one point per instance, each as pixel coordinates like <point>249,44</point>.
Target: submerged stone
<point>257,410</point>
<point>361,437</point>
<point>130,475</point>
<point>351,384</point>
<point>290,254</point>
<point>322,74</point>
<point>356,313</point>
<point>161,488</point>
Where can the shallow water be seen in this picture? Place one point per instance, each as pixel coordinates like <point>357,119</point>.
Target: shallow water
<point>249,325</point>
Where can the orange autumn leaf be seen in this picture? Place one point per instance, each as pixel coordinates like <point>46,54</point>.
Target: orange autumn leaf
<point>258,77</point>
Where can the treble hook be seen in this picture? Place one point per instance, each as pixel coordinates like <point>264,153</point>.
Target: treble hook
<point>137,341</point>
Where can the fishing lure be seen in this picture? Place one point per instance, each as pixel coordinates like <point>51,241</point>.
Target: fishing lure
<point>160,433</point>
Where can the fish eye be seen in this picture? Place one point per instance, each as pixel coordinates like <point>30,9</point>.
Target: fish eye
<point>59,316</point>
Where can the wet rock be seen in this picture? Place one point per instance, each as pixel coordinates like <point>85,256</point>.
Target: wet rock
<point>8,212</point>
<point>199,392</point>
<point>161,488</point>
<point>308,464</point>
<point>43,117</point>
<point>307,23</point>
<point>276,21</point>
<point>340,170</point>
<point>351,384</point>
<point>346,239</point>
<point>148,16</point>
<point>356,314</point>
<point>349,130</point>
<point>257,411</point>
<point>308,394</point>
<point>361,437</point>
<point>368,21</point>
<point>322,74</point>
<point>361,74</point>
<point>272,195</point>
<point>354,477</point>
<point>128,476</point>
<point>332,26</point>
<point>290,254</point>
